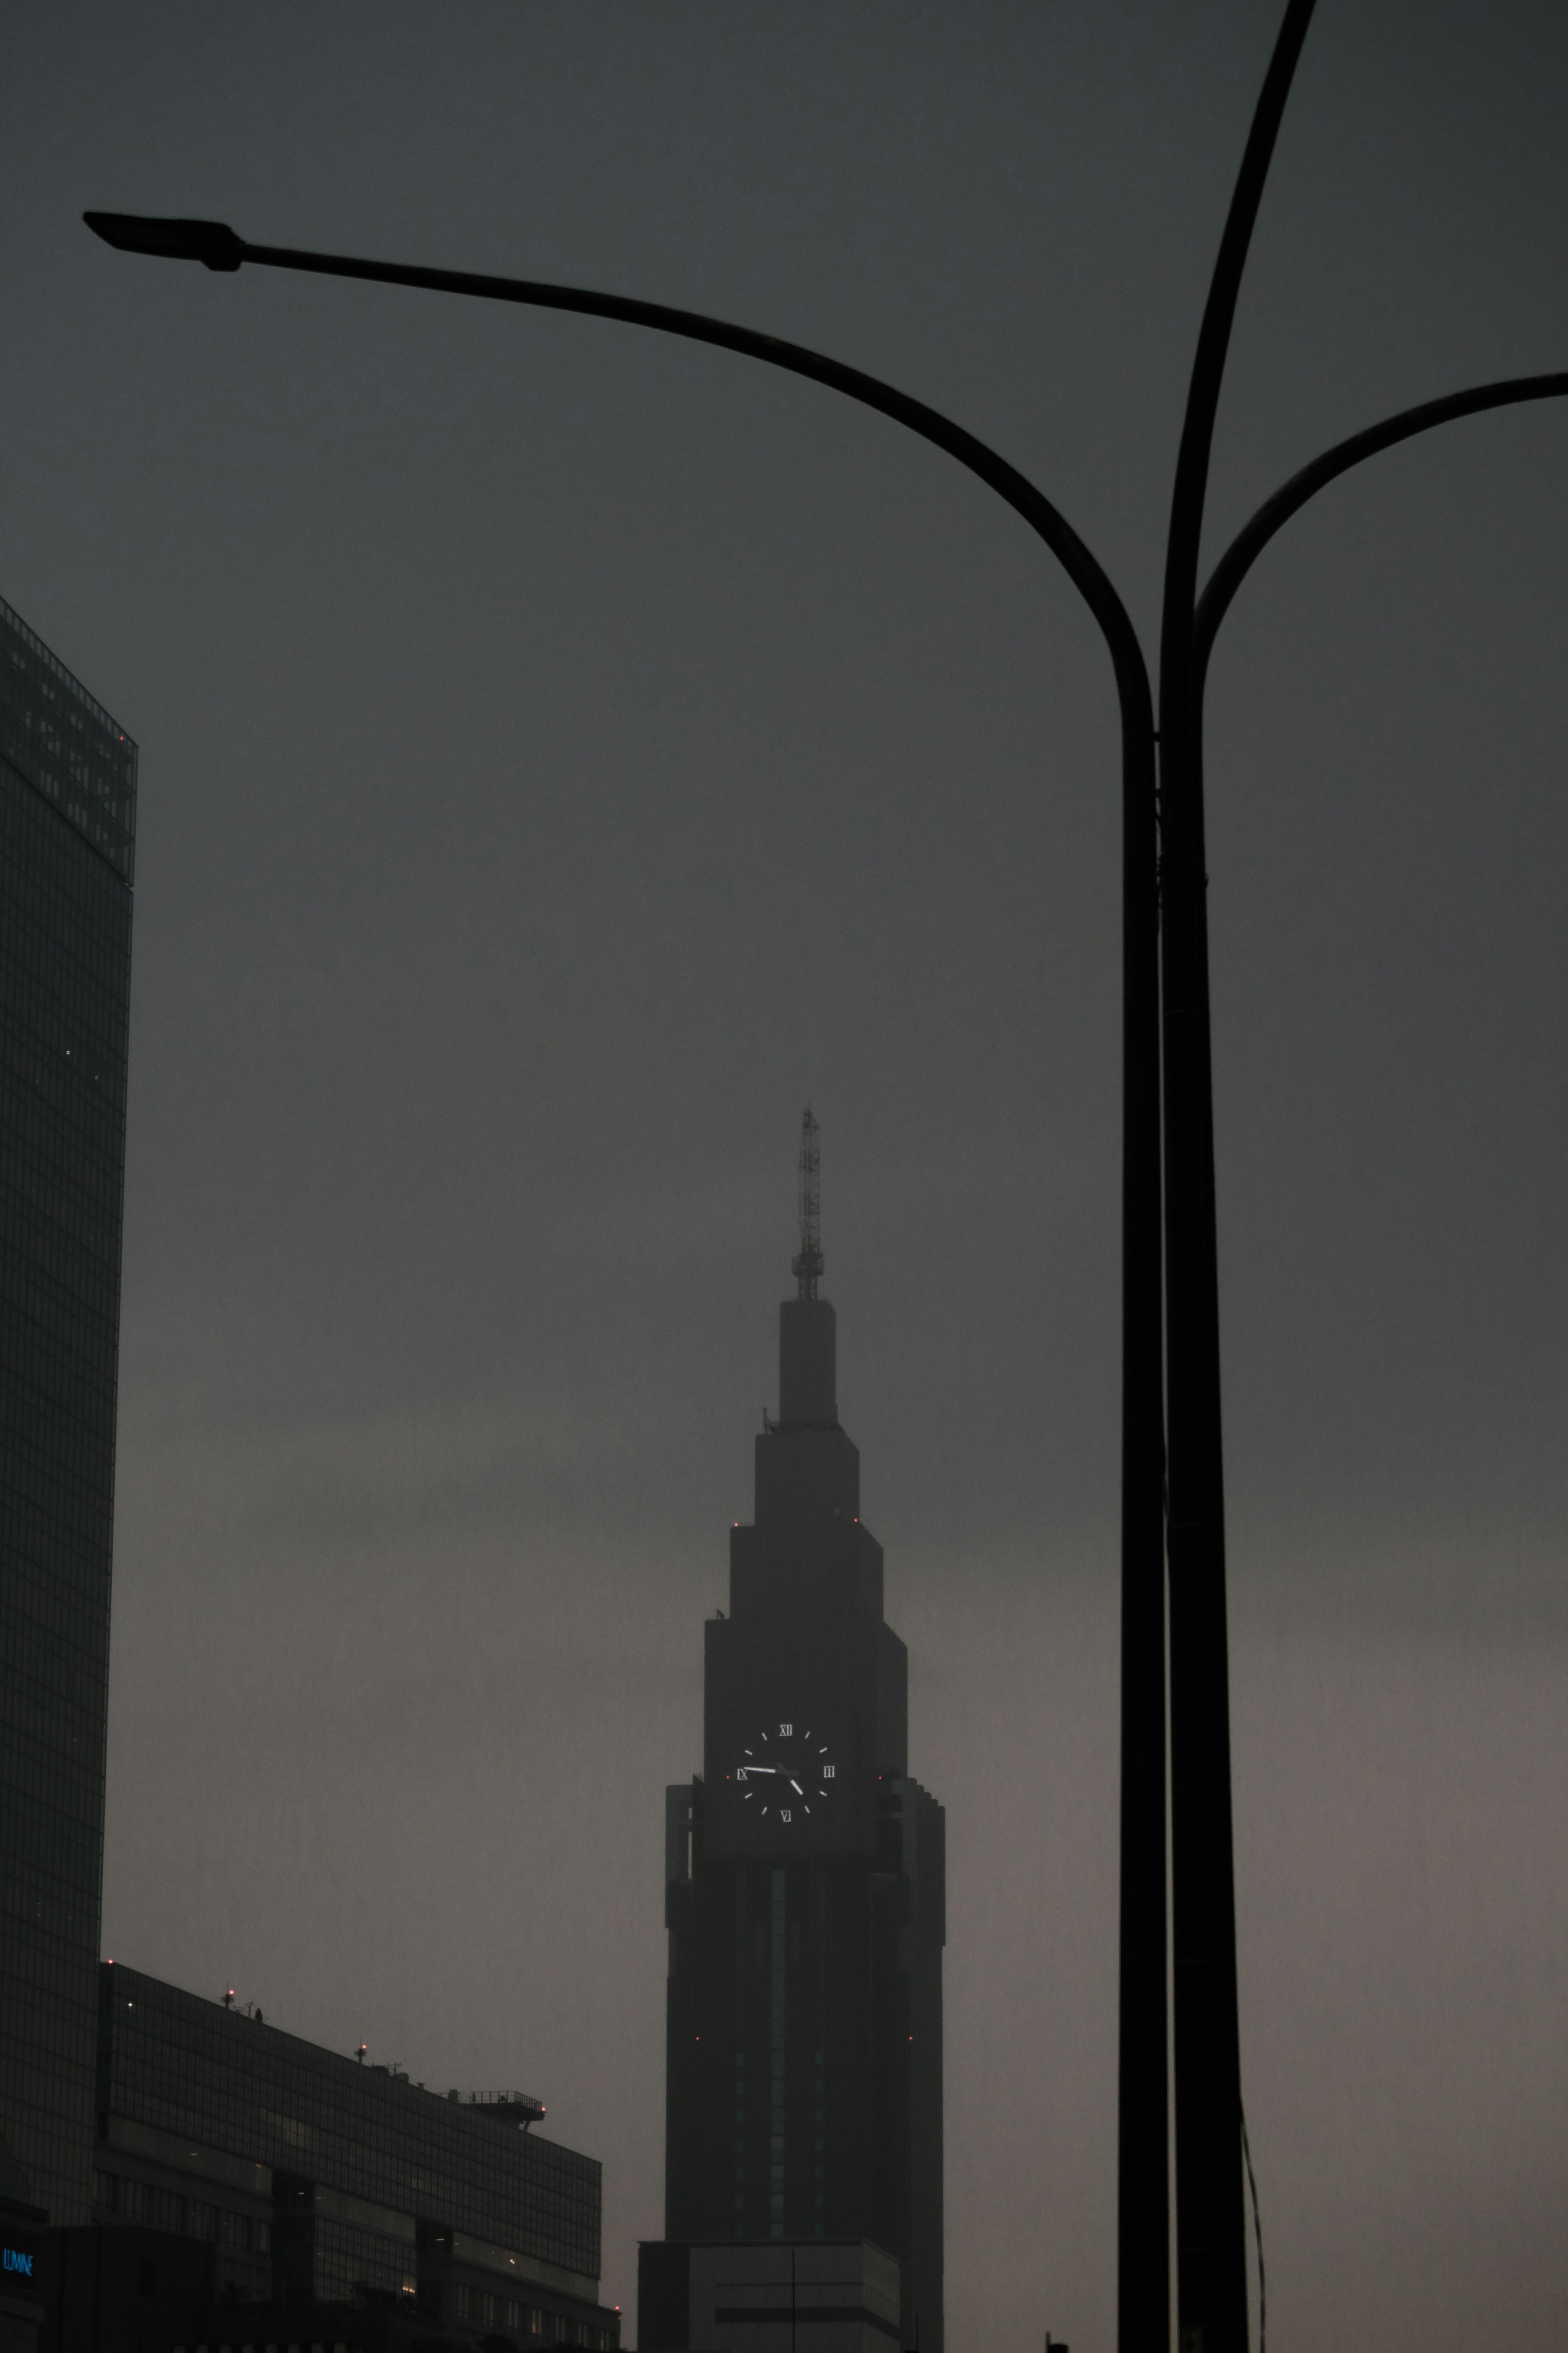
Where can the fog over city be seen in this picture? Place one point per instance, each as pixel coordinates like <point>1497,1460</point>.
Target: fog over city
<point>565,752</point>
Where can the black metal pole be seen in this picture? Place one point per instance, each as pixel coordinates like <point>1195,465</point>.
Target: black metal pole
<point>1143,2203</point>
<point>1211,2247</point>
<point>1144,2190</point>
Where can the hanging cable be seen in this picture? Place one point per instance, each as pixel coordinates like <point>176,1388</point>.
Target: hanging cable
<point>1257,2235</point>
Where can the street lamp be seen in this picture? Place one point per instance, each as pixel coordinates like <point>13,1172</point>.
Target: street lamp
<point>1143,2197</point>
<point>1166,1081</point>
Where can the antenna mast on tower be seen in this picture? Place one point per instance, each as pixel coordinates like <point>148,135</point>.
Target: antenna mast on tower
<point>807,1267</point>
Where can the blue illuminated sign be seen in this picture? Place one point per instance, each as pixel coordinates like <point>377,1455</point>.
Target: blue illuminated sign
<point>12,2259</point>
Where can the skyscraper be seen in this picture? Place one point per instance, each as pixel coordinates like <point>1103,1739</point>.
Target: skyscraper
<point>67,817</point>
<point>805,1896</point>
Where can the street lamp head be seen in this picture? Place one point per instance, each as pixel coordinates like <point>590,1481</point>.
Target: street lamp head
<point>212,242</point>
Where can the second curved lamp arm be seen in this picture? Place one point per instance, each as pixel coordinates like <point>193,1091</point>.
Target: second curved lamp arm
<point>1291,496</point>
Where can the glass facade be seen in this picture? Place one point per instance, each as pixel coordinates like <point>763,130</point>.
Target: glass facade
<point>67,745</point>
<point>67,799</point>
<point>342,2174</point>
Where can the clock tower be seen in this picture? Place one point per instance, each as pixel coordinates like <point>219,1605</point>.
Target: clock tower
<point>805,1870</point>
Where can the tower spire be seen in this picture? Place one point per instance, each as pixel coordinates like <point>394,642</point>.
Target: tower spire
<point>807,1266</point>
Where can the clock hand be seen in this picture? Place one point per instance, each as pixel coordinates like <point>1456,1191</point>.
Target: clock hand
<point>749,1769</point>
<point>797,1788</point>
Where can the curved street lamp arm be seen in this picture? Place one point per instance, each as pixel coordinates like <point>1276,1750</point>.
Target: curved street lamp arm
<point>1250,542</point>
<point>217,245</point>
<point>1213,342</point>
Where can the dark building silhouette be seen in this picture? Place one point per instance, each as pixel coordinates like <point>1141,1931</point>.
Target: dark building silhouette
<point>312,2176</point>
<point>805,1873</point>
<point>741,2295</point>
<point>67,811</point>
<point>122,2290</point>
<point>21,2258</point>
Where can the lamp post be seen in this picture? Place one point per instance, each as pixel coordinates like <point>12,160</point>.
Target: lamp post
<point>1168,1178</point>
<point>1210,2216</point>
<point>1211,2262</point>
<point>1202,1879</point>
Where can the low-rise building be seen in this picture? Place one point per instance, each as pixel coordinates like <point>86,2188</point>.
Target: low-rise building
<point>318,2179</point>
<point>733,2295</point>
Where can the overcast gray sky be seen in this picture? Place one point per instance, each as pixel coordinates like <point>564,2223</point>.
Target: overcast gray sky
<point>565,752</point>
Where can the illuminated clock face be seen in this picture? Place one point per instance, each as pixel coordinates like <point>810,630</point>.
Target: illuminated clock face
<point>784,1773</point>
